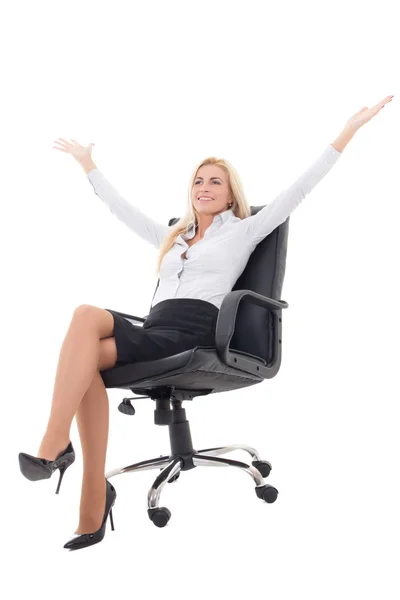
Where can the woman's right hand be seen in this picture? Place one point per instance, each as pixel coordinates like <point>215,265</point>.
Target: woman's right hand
<point>80,153</point>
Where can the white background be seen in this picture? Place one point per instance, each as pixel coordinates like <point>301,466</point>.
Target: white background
<point>158,87</point>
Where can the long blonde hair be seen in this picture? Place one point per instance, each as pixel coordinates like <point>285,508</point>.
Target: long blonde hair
<point>240,206</point>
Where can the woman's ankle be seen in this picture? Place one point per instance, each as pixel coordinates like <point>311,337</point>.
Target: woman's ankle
<point>51,448</point>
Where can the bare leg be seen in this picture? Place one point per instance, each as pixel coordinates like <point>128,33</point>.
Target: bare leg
<point>92,418</point>
<point>77,365</point>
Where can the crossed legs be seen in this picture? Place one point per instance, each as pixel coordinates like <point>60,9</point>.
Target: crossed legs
<point>79,391</point>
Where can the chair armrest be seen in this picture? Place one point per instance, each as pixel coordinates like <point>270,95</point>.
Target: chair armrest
<point>232,300</point>
<point>226,321</point>
<point>131,317</point>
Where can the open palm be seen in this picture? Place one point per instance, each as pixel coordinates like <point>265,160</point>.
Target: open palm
<point>365,114</point>
<point>78,151</point>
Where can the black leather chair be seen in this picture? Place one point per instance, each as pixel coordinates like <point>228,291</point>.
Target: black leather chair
<point>247,350</point>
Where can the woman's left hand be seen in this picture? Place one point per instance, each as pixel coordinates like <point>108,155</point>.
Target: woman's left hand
<point>365,114</point>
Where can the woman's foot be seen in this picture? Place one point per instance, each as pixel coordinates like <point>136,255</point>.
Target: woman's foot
<point>94,537</point>
<point>92,507</point>
<point>35,468</point>
<point>50,448</point>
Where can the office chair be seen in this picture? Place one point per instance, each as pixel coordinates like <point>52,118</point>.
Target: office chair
<point>247,350</point>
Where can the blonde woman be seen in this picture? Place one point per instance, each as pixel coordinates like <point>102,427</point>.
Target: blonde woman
<point>200,259</point>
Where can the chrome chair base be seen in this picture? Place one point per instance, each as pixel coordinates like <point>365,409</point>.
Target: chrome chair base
<point>171,467</point>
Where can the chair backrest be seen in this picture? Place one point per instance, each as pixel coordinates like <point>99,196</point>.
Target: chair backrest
<point>264,274</point>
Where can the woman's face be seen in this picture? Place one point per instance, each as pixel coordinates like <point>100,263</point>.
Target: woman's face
<point>211,181</point>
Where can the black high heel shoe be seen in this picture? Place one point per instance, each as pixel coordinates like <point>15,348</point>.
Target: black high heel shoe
<point>88,539</point>
<point>40,468</point>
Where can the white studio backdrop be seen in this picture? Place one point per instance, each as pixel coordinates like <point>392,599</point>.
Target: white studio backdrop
<point>158,87</point>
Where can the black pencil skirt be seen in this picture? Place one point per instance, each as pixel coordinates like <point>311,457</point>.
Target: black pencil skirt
<point>172,326</point>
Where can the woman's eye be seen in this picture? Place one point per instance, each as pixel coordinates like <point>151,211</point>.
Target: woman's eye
<point>212,182</point>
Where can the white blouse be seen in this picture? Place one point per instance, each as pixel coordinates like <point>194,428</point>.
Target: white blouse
<point>214,263</point>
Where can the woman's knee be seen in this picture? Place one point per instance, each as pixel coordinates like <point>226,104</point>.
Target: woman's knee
<point>102,319</point>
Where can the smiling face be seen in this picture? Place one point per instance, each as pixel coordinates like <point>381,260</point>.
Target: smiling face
<point>211,181</point>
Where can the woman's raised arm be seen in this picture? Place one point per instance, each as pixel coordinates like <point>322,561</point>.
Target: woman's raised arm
<point>258,226</point>
<point>137,221</point>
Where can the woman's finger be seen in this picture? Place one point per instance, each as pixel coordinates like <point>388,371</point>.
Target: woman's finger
<point>385,101</point>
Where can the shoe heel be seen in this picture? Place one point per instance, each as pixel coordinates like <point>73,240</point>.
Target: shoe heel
<point>62,470</point>
<point>112,520</point>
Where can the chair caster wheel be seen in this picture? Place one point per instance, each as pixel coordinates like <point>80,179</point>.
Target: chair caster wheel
<point>263,466</point>
<point>159,516</point>
<point>267,493</point>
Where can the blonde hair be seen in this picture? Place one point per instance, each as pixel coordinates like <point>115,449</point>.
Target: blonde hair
<point>240,206</point>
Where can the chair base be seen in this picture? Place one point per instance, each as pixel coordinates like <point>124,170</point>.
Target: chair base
<point>183,457</point>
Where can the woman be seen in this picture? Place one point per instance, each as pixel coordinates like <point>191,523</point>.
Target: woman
<point>194,278</point>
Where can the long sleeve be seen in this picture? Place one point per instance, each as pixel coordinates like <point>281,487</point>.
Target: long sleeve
<point>267,219</point>
<point>133,217</point>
